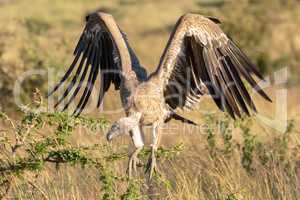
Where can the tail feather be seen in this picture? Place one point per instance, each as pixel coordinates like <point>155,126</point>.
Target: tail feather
<point>180,118</point>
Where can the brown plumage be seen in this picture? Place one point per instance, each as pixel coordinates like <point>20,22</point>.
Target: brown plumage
<point>199,59</point>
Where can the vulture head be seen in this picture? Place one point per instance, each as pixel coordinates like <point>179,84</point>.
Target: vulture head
<point>123,126</point>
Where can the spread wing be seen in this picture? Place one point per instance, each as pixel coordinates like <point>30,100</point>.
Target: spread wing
<point>102,50</point>
<point>200,59</point>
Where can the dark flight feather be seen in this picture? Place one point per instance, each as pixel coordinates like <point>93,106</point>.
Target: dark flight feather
<point>217,63</point>
<point>95,53</point>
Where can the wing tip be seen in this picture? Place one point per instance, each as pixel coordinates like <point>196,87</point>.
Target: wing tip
<point>49,94</point>
<point>268,99</point>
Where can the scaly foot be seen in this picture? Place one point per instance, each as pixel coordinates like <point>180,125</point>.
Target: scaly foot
<point>152,165</point>
<point>134,162</point>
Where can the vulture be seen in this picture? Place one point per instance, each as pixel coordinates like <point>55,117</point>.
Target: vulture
<point>199,59</point>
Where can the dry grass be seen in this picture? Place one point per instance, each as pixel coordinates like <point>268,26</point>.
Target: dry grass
<point>41,34</point>
<point>250,165</point>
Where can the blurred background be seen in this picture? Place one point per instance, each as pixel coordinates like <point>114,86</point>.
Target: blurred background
<point>42,34</point>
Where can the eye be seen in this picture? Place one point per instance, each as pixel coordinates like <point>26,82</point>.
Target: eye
<point>115,127</point>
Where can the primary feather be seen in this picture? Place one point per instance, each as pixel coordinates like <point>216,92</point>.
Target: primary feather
<point>99,51</point>
<point>200,59</point>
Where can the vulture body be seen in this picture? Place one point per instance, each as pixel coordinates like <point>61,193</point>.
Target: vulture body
<point>199,59</point>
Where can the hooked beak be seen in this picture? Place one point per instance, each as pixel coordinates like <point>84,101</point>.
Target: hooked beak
<point>109,136</point>
<point>112,133</point>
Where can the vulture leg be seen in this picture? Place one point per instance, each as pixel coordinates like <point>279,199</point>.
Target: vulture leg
<point>134,161</point>
<point>152,166</point>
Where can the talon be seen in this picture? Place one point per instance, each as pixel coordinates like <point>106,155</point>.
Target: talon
<point>151,165</point>
<point>133,162</point>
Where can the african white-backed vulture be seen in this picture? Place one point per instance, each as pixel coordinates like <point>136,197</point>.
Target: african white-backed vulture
<point>199,59</point>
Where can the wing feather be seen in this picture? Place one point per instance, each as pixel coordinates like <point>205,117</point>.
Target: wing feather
<point>206,57</point>
<point>102,48</point>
